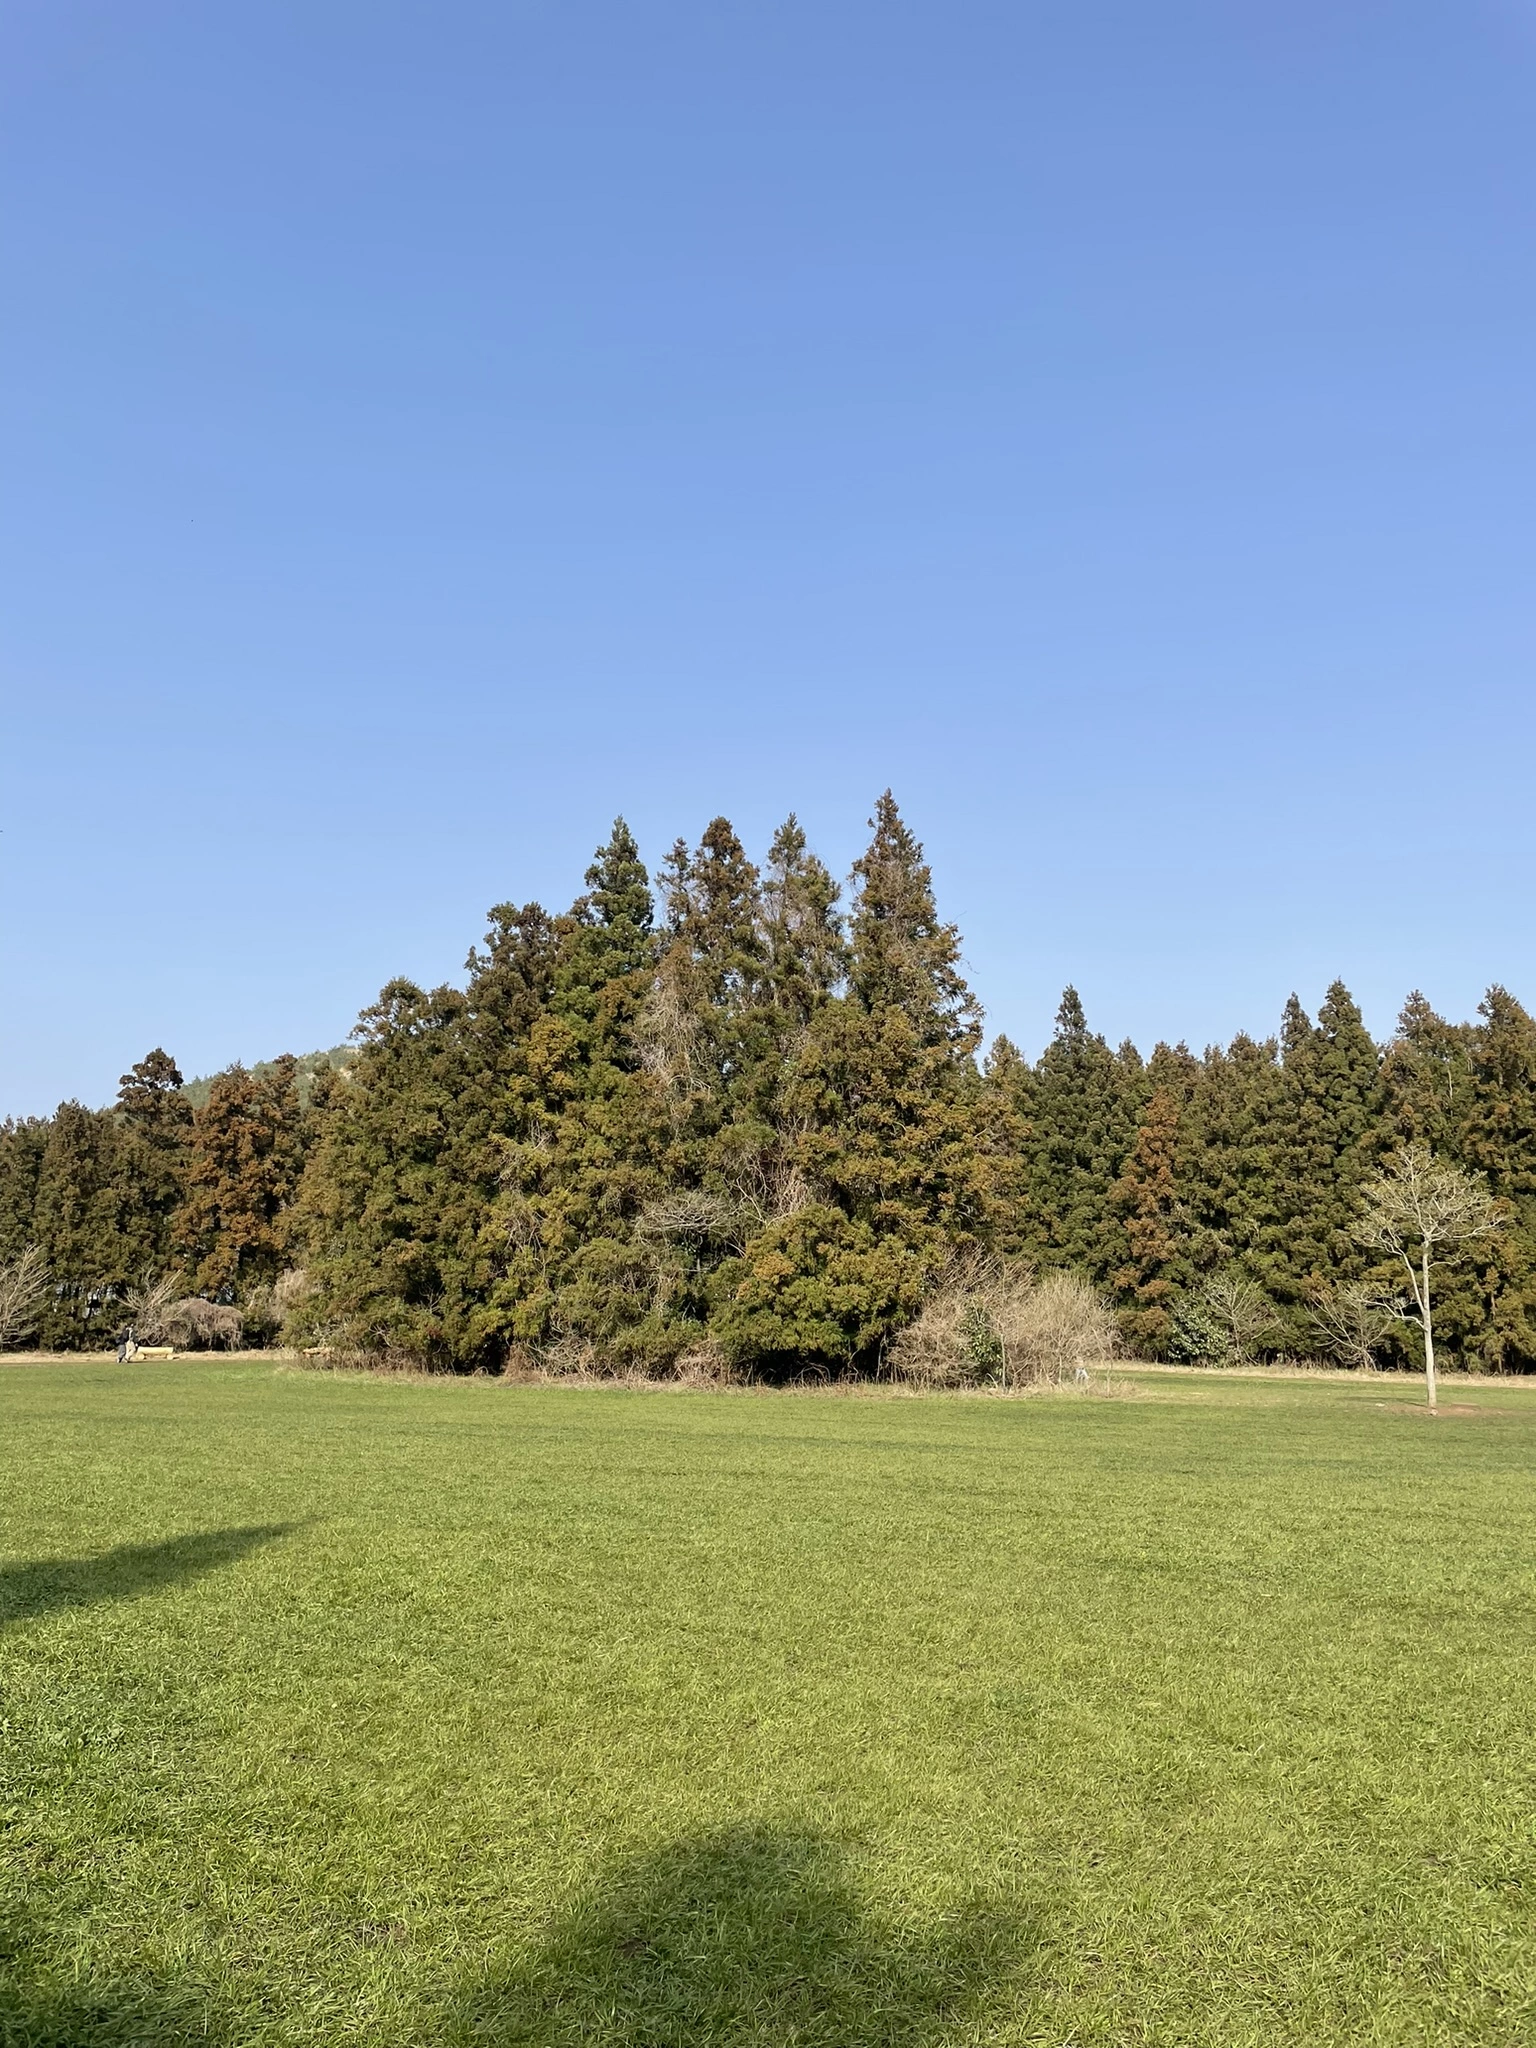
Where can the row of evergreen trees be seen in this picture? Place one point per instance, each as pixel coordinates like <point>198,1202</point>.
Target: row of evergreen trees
<point>748,1122</point>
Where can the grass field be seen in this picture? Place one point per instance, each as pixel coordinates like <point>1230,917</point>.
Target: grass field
<point>340,1710</point>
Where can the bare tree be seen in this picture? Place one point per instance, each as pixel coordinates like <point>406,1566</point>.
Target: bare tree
<point>23,1289</point>
<point>1419,1209</point>
<point>1228,1318</point>
<point>1351,1319</point>
<point>147,1305</point>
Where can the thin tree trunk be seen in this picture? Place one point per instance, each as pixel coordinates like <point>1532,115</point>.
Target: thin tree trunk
<point>1429,1333</point>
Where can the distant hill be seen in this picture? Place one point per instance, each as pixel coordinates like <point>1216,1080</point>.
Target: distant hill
<point>310,1064</point>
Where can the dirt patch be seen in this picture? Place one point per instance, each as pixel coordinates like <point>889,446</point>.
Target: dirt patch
<point>1459,1408</point>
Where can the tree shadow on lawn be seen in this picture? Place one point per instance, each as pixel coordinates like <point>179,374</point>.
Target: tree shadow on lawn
<point>40,2011</point>
<point>133,1568</point>
<point>748,1936</point>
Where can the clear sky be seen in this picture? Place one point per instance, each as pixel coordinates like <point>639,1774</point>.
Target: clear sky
<point>428,429</point>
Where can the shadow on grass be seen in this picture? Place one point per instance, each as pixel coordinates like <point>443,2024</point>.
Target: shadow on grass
<point>121,1574</point>
<point>749,1938</point>
<point>38,2012</point>
<point>750,1935</point>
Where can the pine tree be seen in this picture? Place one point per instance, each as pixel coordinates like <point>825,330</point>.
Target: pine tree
<point>84,1224</point>
<point>1425,1079</point>
<point>805,952</point>
<point>611,932</point>
<point>242,1174</point>
<point>1321,1153</point>
<point>1172,1067</point>
<point>389,1206</point>
<point>903,958</point>
<point>1227,1138</point>
<point>157,1120</point>
<point>890,1141</point>
<point>584,1140</point>
<point>1146,1198</point>
<point>1083,1108</point>
<point>714,916</point>
<point>23,1141</point>
<point>1489,1310</point>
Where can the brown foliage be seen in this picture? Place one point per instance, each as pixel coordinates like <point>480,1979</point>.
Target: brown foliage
<point>987,1321</point>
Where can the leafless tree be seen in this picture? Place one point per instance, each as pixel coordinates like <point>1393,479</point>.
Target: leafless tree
<point>1229,1317</point>
<point>23,1289</point>
<point>1419,1210</point>
<point>147,1305</point>
<point>1351,1319</point>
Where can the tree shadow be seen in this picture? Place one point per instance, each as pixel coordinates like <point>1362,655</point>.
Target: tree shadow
<point>748,1936</point>
<point>38,2012</point>
<point>122,1574</point>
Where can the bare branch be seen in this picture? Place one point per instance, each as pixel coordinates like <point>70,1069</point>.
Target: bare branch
<point>23,1289</point>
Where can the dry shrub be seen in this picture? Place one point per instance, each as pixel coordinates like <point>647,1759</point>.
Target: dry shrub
<point>1063,1325</point>
<point>990,1323</point>
<point>197,1325</point>
<point>289,1289</point>
<point>572,1358</point>
<point>706,1365</point>
<point>577,1361</point>
<point>688,1213</point>
<point>1226,1320</point>
<point>522,1366</point>
<point>945,1344</point>
<point>271,1309</point>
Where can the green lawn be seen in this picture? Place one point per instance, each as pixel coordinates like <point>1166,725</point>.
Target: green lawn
<point>341,1710</point>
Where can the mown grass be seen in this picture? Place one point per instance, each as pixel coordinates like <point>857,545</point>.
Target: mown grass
<point>337,1710</point>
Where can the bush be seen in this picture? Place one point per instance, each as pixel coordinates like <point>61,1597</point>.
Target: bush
<point>990,1323</point>
<point>1064,1324</point>
<point>193,1324</point>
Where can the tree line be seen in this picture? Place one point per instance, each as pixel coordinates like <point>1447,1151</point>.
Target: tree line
<point>736,1116</point>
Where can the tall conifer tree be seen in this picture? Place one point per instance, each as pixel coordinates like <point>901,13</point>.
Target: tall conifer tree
<point>1227,1141</point>
<point>84,1224</point>
<point>1146,1198</point>
<point>885,1102</point>
<point>242,1174</point>
<point>1083,1107</point>
<point>1321,1153</point>
<point>157,1120</point>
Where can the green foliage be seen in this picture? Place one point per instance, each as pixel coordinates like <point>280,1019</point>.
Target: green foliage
<point>728,1116</point>
<point>245,1156</point>
<point>1320,1155</point>
<point>23,1142</point>
<point>1083,1108</point>
<point>1147,1199</point>
<point>313,1070</point>
<point>86,1224</point>
<point>981,1343</point>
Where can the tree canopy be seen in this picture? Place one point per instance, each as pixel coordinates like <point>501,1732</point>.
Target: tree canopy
<point>737,1113</point>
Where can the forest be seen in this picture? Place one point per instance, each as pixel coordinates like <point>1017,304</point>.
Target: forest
<point>739,1118</point>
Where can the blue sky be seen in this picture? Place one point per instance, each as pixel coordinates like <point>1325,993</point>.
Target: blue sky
<point>428,430</point>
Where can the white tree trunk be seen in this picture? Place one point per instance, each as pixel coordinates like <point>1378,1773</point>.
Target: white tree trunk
<point>1429,1333</point>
